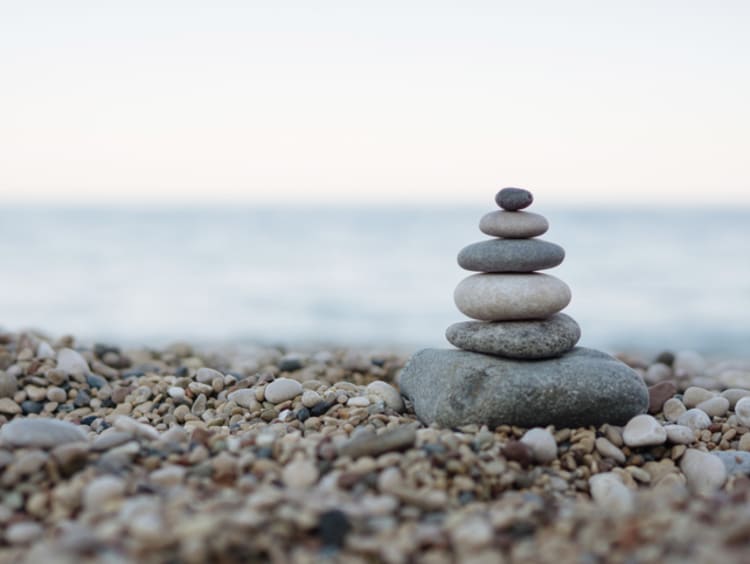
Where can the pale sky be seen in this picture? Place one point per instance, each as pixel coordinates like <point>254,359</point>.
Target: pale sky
<point>379,101</point>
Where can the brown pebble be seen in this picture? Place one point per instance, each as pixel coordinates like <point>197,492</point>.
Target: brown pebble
<point>658,394</point>
<point>518,452</point>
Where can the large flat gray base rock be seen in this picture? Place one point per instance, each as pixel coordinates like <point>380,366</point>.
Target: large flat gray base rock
<point>582,387</point>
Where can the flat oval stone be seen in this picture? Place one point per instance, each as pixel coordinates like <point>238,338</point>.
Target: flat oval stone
<point>506,297</point>
<point>529,340</point>
<point>514,199</point>
<point>583,387</point>
<point>40,433</point>
<point>510,255</point>
<point>513,225</point>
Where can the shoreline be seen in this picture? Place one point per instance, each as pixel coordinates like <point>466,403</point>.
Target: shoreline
<point>190,455</point>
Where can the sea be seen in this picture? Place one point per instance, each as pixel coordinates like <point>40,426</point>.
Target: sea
<point>643,279</point>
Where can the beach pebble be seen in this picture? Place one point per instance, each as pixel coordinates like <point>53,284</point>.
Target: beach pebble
<point>358,401</point>
<point>72,362</point>
<point>44,350</point>
<point>374,445</point>
<point>168,476</point>
<point>8,385</point>
<point>705,472</point>
<point>513,199</point>
<point>689,363</point>
<point>744,442</point>
<point>300,473</point>
<point>246,398</point>
<point>530,339</point>
<point>129,425</point>
<point>598,389</point>
<point>609,492</point>
<point>513,225</point>
<point>282,389</point>
<point>657,372</point>
<point>679,434</point>
<point>176,393</point>
<point>644,430</point>
<point>608,450</point>
<point>695,419</point>
<point>102,490</point>
<point>505,297</point>
<point>735,461</point>
<point>673,409</point>
<point>542,444</point>
<point>695,395</point>
<point>9,407</point>
<point>658,394</point>
<point>311,398</point>
<point>510,255</point>
<point>40,433</point>
<point>23,532</point>
<point>206,375</point>
<point>715,407</point>
<point>56,394</point>
<point>472,534</point>
<point>734,395</point>
<point>742,411</point>
<point>386,393</point>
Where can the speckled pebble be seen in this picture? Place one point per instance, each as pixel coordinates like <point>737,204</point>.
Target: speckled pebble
<point>282,389</point>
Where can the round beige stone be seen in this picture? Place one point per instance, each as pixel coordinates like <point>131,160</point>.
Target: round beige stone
<point>513,225</point>
<point>505,297</point>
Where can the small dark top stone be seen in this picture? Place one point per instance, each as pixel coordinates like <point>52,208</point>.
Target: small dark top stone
<point>514,199</point>
<point>333,527</point>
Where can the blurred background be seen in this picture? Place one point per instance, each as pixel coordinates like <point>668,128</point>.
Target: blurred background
<point>307,172</point>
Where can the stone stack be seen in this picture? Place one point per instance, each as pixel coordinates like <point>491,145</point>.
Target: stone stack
<point>519,364</point>
<point>517,307</point>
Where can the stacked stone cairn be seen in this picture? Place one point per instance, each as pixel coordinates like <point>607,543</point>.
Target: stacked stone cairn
<point>518,362</point>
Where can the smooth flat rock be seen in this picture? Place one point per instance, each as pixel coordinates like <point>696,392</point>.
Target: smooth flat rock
<point>507,297</point>
<point>735,461</point>
<point>583,387</point>
<point>529,340</point>
<point>40,433</point>
<point>510,255</point>
<point>514,199</point>
<point>514,225</point>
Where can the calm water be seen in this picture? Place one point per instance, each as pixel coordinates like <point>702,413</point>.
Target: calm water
<point>641,279</point>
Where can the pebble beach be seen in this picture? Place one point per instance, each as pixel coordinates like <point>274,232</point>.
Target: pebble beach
<point>263,454</point>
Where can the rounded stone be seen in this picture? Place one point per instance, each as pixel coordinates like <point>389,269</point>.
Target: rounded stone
<point>514,199</point>
<point>506,297</point>
<point>673,408</point>
<point>644,430</point>
<point>71,362</point>
<point>529,340</point>
<point>40,433</point>
<point>715,407</point>
<point>608,491</point>
<point>695,395</point>
<point>742,411</point>
<point>658,394</point>
<point>583,387</point>
<point>513,225</point>
<point>695,419</point>
<point>679,434</point>
<point>542,444</point>
<point>705,472</point>
<point>8,385</point>
<point>245,397</point>
<point>282,389</point>
<point>387,393</point>
<point>510,255</point>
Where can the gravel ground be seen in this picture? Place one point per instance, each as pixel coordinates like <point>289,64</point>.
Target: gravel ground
<point>258,454</point>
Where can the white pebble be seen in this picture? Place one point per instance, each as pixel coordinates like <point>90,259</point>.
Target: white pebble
<point>245,397</point>
<point>609,450</point>
<point>608,491</point>
<point>734,395</point>
<point>206,375</point>
<point>282,389</point>
<point>679,434</point>
<point>358,401</point>
<point>472,534</point>
<point>715,407</point>
<point>695,395</point>
<point>130,425</point>
<point>41,432</point>
<point>705,472</point>
<point>102,490</point>
<point>300,473</point>
<point>311,398</point>
<point>673,408</point>
<point>44,350</point>
<point>168,476</point>
<point>387,393</point>
<point>695,419</point>
<point>72,362</point>
<point>542,444</point>
<point>742,411</point>
<point>657,372</point>
<point>24,532</point>
<point>689,363</point>
<point>644,430</point>
<point>56,394</point>
<point>176,393</point>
